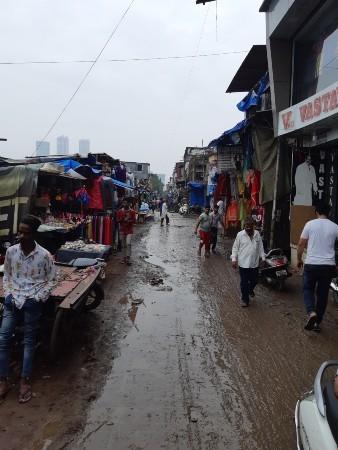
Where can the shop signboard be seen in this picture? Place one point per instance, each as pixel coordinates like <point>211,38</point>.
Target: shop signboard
<point>320,106</point>
<point>314,177</point>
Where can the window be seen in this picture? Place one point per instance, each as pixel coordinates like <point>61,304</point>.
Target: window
<point>316,54</point>
<point>139,168</point>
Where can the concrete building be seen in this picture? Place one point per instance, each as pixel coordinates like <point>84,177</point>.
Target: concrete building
<point>42,148</point>
<point>141,171</point>
<point>62,145</point>
<point>84,146</point>
<point>302,49</point>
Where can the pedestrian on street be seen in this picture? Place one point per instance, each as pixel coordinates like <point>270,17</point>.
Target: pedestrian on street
<point>216,219</point>
<point>247,252</point>
<point>164,212</point>
<point>204,225</point>
<point>126,218</point>
<point>29,277</point>
<point>319,235</point>
<point>220,205</point>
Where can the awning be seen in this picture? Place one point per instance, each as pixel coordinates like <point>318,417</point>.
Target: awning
<point>122,185</point>
<point>230,137</point>
<point>253,98</point>
<point>254,66</point>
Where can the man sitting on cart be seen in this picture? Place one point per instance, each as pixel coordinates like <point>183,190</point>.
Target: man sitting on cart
<point>29,277</point>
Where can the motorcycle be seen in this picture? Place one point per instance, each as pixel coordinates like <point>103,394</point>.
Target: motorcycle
<point>316,414</point>
<point>275,270</point>
<point>184,209</point>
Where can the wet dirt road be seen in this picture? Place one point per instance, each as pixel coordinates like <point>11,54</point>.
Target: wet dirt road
<point>194,370</point>
<point>171,361</point>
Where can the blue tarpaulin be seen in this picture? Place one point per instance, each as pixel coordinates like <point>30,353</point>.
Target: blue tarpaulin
<point>230,137</point>
<point>253,98</point>
<point>196,194</point>
<point>122,185</point>
<point>68,164</point>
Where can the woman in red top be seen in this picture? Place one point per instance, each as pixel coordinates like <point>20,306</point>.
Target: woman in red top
<point>126,218</point>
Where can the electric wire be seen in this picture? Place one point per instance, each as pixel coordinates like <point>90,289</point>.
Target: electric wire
<point>88,72</point>
<point>118,60</point>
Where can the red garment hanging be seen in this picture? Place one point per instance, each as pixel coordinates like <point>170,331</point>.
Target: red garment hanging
<point>95,195</point>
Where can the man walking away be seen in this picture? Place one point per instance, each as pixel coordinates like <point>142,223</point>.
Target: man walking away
<point>126,217</point>
<point>204,224</point>
<point>247,252</point>
<point>29,277</point>
<point>319,235</point>
<point>215,220</point>
<point>164,213</point>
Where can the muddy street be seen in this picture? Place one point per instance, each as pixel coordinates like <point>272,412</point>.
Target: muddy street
<point>193,369</point>
<point>171,361</point>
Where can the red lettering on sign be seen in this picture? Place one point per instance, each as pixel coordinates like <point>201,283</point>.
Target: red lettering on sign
<point>317,106</point>
<point>326,101</point>
<point>309,114</point>
<point>286,117</point>
<point>303,112</point>
<point>333,100</point>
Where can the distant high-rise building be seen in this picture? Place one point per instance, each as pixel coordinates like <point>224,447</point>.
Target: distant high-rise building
<point>84,146</point>
<point>42,148</point>
<point>161,177</point>
<point>62,145</point>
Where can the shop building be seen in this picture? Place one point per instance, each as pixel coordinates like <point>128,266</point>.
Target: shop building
<point>302,50</point>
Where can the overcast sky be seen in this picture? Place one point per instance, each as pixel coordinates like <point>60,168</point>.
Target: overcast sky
<point>141,111</point>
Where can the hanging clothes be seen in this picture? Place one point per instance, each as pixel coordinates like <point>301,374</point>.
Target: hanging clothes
<point>95,193</point>
<point>253,186</point>
<point>232,213</point>
<point>233,185</point>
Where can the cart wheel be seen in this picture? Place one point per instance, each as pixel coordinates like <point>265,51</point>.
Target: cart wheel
<point>61,333</point>
<point>94,298</point>
<point>280,285</point>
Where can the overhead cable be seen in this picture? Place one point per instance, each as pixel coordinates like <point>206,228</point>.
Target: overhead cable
<point>117,60</point>
<point>88,71</point>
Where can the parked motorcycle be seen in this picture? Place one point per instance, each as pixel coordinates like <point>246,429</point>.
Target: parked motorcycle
<point>275,270</point>
<point>316,414</point>
<point>184,209</point>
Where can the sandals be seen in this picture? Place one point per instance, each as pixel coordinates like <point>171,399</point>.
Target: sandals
<point>25,391</point>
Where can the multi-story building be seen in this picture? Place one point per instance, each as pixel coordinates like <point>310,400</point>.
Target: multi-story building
<point>84,147</point>
<point>302,48</point>
<point>195,163</point>
<point>42,148</point>
<point>62,145</point>
<point>141,171</point>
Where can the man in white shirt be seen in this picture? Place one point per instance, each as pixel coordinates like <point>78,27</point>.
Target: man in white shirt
<point>29,276</point>
<point>164,213</point>
<point>247,252</point>
<point>319,236</point>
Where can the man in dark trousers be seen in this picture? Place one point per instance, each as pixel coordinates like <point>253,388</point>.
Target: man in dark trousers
<point>29,277</point>
<point>319,235</point>
<point>247,252</point>
<point>216,219</point>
